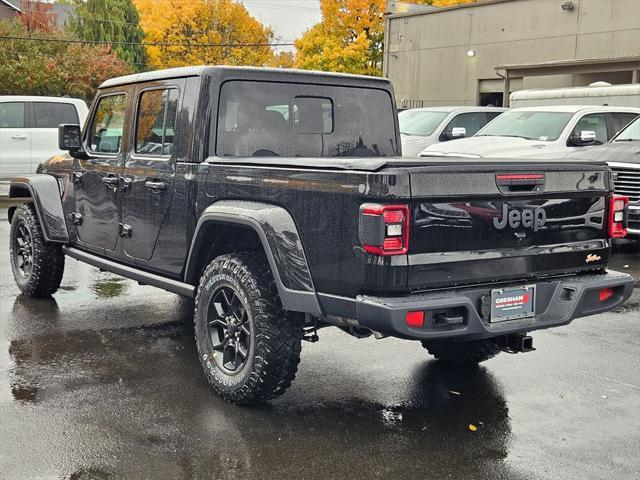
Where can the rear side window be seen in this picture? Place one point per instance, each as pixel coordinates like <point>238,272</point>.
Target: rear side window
<point>108,124</point>
<point>155,122</point>
<point>12,115</point>
<point>619,120</point>
<point>50,115</point>
<point>300,120</point>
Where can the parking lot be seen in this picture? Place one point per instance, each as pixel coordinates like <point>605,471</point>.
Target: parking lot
<point>102,381</point>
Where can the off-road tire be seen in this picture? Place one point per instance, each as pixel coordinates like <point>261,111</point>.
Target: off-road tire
<point>47,259</point>
<point>462,353</point>
<point>274,354</point>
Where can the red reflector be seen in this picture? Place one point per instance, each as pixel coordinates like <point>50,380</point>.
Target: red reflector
<point>415,319</point>
<point>605,294</point>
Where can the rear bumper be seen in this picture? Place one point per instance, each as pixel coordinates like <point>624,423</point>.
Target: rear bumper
<point>558,301</point>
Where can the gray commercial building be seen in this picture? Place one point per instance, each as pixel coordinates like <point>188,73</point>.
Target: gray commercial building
<point>469,54</point>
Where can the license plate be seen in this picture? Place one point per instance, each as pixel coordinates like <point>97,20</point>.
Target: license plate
<point>512,303</point>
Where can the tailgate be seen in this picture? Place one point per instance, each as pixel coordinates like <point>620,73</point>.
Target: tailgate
<point>489,223</point>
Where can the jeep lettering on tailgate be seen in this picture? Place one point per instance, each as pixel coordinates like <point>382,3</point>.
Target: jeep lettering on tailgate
<point>528,218</point>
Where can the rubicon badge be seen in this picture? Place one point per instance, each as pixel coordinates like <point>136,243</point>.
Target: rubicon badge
<point>593,258</point>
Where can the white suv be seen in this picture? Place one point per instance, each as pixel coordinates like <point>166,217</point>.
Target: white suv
<point>539,132</point>
<point>29,129</point>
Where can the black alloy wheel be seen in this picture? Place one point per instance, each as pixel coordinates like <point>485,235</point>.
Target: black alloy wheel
<point>23,250</point>
<point>229,330</point>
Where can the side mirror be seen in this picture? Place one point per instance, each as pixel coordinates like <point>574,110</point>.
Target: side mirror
<point>586,137</point>
<point>458,132</point>
<point>69,137</point>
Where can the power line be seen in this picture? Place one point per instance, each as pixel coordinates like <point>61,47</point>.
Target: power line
<point>149,44</point>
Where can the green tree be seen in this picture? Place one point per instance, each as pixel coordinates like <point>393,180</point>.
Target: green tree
<point>40,62</point>
<point>111,21</point>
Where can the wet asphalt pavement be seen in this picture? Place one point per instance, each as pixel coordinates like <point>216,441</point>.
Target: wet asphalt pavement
<point>102,381</point>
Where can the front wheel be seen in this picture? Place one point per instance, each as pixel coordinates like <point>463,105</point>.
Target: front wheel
<point>37,266</point>
<point>462,353</point>
<point>248,347</point>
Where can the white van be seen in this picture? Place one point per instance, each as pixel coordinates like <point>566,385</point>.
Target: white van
<point>29,129</point>
<point>599,93</point>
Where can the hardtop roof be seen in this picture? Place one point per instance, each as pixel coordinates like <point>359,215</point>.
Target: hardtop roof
<point>244,72</point>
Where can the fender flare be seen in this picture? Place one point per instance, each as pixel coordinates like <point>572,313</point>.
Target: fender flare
<point>45,193</point>
<point>279,237</point>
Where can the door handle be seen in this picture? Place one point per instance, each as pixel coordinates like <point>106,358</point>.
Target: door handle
<point>18,136</point>
<point>110,181</point>
<point>155,186</point>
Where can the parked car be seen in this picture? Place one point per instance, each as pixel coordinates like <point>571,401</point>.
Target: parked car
<point>281,226</point>
<point>421,127</point>
<point>622,154</point>
<point>29,129</point>
<point>540,132</point>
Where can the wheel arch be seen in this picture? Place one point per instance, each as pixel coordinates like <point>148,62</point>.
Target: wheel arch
<point>227,226</point>
<point>44,193</point>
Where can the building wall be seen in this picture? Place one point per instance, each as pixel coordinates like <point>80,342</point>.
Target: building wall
<point>6,12</point>
<point>426,53</point>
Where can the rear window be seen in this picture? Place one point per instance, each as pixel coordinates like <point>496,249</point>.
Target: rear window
<point>50,115</point>
<point>299,120</point>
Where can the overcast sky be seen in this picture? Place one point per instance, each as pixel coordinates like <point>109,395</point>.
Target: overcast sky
<point>288,18</point>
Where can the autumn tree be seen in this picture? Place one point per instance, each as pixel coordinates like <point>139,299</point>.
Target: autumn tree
<point>114,21</point>
<point>230,35</point>
<point>349,38</point>
<point>48,64</point>
<point>37,16</point>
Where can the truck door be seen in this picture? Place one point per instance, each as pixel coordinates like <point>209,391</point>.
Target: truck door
<point>96,178</point>
<point>15,139</point>
<point>150,165</point>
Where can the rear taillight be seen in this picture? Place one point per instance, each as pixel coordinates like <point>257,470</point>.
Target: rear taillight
<point>384,229</point>
<point>617,213</point>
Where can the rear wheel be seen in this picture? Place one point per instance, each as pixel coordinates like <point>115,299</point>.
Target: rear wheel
<point>248,347</point>
<point>463,353</point>
<point>37,266</point>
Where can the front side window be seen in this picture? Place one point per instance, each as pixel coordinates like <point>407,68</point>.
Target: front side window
<point>155,122</point>
<point>528,124</point>
<point>420,122</point>
<point>471,122</point>
<point>300,120</point>
<point>594,122</point>
<point>50,115</point>
<point>107,125</point>
<point>12,115</point>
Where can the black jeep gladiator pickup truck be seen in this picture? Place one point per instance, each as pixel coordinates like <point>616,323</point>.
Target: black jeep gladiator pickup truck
<point>277,200</point>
